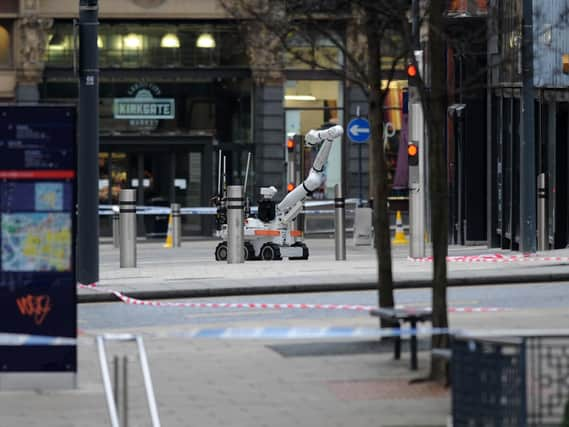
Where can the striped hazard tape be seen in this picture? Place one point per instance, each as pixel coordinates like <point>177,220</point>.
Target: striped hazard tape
<point>496,258</point>
<point>268,306</point>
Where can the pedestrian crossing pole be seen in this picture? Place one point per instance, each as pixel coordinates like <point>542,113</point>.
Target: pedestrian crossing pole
<point>416,158</point>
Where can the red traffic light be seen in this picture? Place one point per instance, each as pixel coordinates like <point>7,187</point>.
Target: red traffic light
<point>413,154</point>
<point>411,71</point>
<point>412,150</point>
<point>290,186</point>
<point>290,144</point>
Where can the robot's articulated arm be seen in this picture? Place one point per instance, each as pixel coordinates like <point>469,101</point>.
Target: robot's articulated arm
<point>288,208</point>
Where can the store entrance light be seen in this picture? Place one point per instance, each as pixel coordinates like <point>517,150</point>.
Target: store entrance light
<point>300,98</point>
<point>56,42</point>
<point>170,41</point>
<point>132,41</point>
<point>205,41</point>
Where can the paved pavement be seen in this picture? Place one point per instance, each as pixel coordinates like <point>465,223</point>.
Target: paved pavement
<point>255,382</point>
<point>191,270</point>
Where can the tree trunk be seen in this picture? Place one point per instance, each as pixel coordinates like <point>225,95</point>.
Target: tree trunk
<point>438,180</point>
<point>381,217</point>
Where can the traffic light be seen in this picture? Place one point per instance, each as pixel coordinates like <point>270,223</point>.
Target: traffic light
<point>290,145</point>
<point>565,61</point>
<point>412,154</point>
<point>290,186</point>
<point>411,71</point>
<point>414,67</point>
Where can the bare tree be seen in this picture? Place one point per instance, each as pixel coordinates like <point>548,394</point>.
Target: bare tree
<point>381,33</point>
<point>372,34</point>
<point>435,101</point>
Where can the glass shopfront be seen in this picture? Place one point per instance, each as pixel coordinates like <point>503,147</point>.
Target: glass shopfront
<point>162,136</point>
<point>161,176</point>
<point>154,45</point>
<point>5,44</point>
<point>311,104</point>
<point>220,108</point>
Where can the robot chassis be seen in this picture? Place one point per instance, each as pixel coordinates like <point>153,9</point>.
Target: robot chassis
<point>271,235</point>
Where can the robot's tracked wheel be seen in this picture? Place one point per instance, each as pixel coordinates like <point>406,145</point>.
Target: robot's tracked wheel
<point>221,252</point>
<point>249,252</point>
<point>270,252</point>
<point>305,252</point>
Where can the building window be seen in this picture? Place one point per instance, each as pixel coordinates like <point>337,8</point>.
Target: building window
<point>156,45</point>
<point>311,104</point>
<point>220,107</point>
<point>308,51</point>
<point>5,44</point>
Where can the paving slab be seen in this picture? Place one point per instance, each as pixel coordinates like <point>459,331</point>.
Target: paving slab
<point>191,271</point>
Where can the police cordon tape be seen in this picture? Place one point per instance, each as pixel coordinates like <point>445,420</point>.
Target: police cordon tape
<point>212,210</point>
<point>292,333</point>
<point>276,306</point>
<point>285,333</point>
<point>278,333</point>
<point>10,339</point>
<point>495,258</point>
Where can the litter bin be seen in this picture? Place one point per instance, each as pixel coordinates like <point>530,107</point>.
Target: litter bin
<point>157,225</point>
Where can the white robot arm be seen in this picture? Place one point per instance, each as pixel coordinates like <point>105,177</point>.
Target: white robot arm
<point>291,205</point>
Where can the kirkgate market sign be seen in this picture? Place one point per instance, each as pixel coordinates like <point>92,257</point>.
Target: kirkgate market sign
<point>145,104</point>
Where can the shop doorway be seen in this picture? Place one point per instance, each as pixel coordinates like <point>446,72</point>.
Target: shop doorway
<point>161,176</point>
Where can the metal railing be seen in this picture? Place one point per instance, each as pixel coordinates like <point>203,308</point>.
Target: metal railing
<point>113,396</point>
<point>520,381</point>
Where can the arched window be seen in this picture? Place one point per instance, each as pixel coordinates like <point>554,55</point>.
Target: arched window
<point>5,56</point>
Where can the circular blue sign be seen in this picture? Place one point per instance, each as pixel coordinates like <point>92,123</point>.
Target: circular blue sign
<point>358,130</point>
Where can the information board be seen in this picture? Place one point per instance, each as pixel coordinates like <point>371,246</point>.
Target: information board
<point>37,235</point>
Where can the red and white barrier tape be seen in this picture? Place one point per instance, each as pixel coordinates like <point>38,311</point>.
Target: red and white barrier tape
<point>495,258</point>
<point>274,306</point>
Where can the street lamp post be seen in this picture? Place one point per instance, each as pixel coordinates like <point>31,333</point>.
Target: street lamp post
<point>88,150</point>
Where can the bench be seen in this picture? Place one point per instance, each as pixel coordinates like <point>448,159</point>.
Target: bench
<point>400,316</point>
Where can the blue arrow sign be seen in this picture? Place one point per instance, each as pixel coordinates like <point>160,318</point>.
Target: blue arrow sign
<point>358,130</point>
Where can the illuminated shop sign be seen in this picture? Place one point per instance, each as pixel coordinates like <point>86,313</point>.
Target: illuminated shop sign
<point>144,105</point>
<point>133,108</point>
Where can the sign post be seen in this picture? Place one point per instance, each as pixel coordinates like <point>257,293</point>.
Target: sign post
<point>37,263</point>
<point>358,132</point>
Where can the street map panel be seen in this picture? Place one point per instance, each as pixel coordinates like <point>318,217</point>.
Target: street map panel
<point>39,240</point>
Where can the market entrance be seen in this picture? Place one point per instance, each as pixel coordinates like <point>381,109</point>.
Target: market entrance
<point>162,175</point>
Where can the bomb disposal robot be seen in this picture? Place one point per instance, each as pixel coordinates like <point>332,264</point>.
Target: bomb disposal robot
<point>271,235</point>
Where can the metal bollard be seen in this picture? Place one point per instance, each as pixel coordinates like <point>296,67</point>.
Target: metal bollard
<point>116,227</point>
<point>416,222</point>
<point>176,225</point>
<point>235,244</point>
<point>127,205</point>
<point>541,213</point>
<point>121,388</point>
<point>340,227</point>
